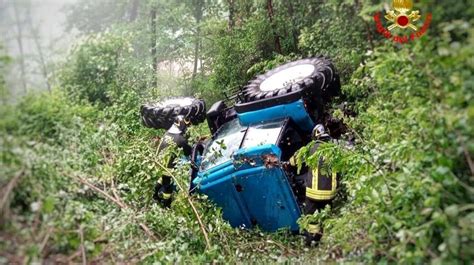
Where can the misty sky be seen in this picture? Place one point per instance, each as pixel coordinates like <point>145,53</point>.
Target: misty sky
<point>48,15</point>
<point>49,20</point>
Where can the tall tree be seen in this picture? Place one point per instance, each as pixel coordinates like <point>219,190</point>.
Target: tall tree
<point>293,29</point>
<point>94,16</point>
<point>19,38</point>
<point>198,10</point>
<point>153,45</point>
<point>231,21</point>
<point>39,49</point>
<point>270,18</point>
<point>4,60</point>
<point>133,12</point>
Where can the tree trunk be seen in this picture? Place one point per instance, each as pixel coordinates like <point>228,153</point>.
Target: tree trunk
<point>198,16</point>
<point>19,39</point>
<point>231,22</point>
<point>291,14</point>
<point>242,9</point>
<point>134,10</point>
<point>36,39</point>
<point>153,46</point>
<point>357,8</point>
<point>270,18</point>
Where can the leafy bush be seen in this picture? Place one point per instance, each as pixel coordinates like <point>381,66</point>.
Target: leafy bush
<point>91,72</point>
<point>47,116</point>
<point>406,192</point>
<point>408,185</point>
<point>236,53</point>
<point>339,34</point>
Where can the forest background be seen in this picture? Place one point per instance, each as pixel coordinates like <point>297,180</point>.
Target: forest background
<point>77,168</point>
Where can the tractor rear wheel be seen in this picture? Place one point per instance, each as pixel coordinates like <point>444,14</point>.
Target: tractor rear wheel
<point>161,115</point>
<point>313,79</point>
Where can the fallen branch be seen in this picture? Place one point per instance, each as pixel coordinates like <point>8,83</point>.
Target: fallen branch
<point>468,159</point>
<point>103,193</point>
<point>142,225</point>
<point>281,246</point>
<point>45,239</point>
<point>73,256</point>
<point>203,229</point>
<point>83,249</point>
<point>10,186</point>
<point>118,202</point>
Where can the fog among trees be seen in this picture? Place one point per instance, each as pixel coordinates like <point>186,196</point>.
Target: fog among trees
<point>78,166</point>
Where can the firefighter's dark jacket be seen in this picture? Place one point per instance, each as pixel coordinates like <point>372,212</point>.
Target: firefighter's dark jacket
<point>321,182</point>
<point>180,141</point>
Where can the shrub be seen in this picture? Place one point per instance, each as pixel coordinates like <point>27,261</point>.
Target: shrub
<point>407,181</point>
<point>339,34</point>
<point>91,72</point>
<point>44,115</point>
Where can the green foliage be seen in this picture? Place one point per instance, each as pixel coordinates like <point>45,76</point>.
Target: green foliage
<point>261,67</point>
<point>235,53</point>
<point>93,69</point>
<point>46,118</point>
<point>4,60</point>
<point>339,34</point>
<point>408,175</point>
<point>406,194</point>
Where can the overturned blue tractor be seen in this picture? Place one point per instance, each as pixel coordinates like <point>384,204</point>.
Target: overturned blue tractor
<point>247,168</point>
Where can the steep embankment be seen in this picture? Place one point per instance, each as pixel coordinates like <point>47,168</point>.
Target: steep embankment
<point>81,175</point>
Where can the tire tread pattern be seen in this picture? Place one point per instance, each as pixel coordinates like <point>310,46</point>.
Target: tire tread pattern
<point>323,82</point>
<point>162,117</point>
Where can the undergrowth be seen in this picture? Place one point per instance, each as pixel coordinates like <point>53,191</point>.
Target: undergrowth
<point>408,180</point>
<point>51,207</point>
<point>78,174</point>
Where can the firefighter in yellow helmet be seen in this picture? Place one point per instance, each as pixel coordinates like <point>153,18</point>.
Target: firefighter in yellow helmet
<point>319,183</point>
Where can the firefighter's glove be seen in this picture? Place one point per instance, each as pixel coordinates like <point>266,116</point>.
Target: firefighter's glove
<point>163,194</point>
<point>313,234</point>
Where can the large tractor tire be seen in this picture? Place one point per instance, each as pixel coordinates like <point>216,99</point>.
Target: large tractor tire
<point>313,79</point>
<point>161,115</point>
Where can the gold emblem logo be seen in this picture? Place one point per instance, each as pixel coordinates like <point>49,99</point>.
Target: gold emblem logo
<point>400,17</point>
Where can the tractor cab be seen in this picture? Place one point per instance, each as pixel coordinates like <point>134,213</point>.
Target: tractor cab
<point>241,167</point>
<point>246,168</point>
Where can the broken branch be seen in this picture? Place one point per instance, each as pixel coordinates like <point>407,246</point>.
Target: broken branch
<point>10,186</point>
<point>118,202</point>
<point>83,249</point>
<point>201,224</point>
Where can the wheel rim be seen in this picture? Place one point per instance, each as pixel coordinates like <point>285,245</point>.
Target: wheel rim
<point>283,78</point>
<point>176,102</point>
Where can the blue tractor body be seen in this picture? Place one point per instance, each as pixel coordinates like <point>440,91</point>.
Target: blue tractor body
<point>240,169</point>
<point>295,110</point>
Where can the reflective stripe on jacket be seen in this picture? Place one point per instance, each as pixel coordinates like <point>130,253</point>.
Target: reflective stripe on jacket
<point>321,182</point>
